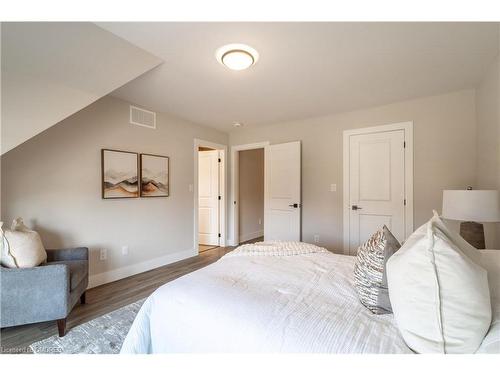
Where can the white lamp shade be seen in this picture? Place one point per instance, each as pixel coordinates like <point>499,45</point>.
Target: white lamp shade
<point>471,205</point>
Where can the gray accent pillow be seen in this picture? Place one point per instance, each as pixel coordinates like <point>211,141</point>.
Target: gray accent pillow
<point>370,275</point>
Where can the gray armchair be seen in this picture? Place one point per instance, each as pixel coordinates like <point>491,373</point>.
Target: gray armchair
<point>46,292</point>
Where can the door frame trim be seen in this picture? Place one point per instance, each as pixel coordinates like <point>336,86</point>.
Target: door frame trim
<point>407,127</point>
<point>235,187</point>
<point>222,190</point>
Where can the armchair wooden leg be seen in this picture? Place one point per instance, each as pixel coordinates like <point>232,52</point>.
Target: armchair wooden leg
<point>82,299</point>
<point>61,327</point>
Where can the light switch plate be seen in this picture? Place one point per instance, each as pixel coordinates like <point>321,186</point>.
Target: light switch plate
<point>124,250</point>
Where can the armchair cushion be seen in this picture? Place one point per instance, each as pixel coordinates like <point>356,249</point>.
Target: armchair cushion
<point>78,270</point>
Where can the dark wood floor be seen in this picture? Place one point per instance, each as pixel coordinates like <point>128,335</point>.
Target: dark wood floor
<point>106,298</point>
<point>202,248</point>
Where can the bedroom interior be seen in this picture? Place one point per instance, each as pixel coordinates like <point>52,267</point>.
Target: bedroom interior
<point>250,188</point>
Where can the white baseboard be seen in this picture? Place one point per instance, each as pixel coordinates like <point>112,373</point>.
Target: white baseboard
<point>134,269</point>
<point>231,242</point>
<point>251,236</point>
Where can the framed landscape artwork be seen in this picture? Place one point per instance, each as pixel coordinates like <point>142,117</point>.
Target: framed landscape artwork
<point>120,174</point>
<point>154,175</point>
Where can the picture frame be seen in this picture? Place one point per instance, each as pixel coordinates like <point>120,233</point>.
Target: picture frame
<point>154,176</point>
<point>119,174</point>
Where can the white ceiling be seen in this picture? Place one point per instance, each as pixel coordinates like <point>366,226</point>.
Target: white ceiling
<point>304,69</point>
<point>52,70</point>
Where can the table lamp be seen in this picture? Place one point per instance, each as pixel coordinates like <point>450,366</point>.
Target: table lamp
<point>472,207</point>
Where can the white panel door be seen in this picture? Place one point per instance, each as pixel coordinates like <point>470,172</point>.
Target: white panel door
<point>376,185</point>
<point>282,192</point>
<point>208,194</point>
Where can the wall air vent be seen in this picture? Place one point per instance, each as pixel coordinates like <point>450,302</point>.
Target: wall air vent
<point>142,117</point>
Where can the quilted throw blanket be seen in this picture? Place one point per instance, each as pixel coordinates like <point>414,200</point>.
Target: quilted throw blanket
<point>276,248</point>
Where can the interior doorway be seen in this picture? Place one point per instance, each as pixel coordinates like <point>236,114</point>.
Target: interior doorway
<point>282,191</point>
<point>251,195</point>
<point>209,189</point>
<point>208,198</point>
<point>235,190</point>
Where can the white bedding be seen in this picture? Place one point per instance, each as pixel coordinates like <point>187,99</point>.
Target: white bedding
<point>287,303</point>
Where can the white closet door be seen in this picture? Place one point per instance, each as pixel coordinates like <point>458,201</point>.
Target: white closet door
<point>377,185</point>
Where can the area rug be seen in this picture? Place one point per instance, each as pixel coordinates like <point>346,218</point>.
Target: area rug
<point>103,335</point>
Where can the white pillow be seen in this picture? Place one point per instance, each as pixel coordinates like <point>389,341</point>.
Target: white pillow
<point>490,260</point>
<point>21,247</point>
<point>439,291</point>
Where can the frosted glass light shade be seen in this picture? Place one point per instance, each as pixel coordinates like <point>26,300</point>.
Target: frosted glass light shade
<point>471,205</point>
<point>237,60</point>
<point>237,56</point>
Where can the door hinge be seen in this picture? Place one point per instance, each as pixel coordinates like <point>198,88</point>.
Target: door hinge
<point>404,202</point>
<point>220,197</point>
<point>219,160</point>
<point>219,235</point>
<point>404,144</point>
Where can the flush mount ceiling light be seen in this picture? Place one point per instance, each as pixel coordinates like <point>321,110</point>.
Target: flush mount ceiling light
<point>237,124</point>
<point>237,56</point>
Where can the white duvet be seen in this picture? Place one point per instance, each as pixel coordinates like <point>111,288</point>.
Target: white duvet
<point>281,301</point>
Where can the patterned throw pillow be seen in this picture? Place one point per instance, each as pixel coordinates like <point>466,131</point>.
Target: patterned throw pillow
<point>370,278</point>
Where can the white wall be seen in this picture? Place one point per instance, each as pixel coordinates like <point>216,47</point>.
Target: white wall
<point>53,69</point>
<point>251,195</point>
<point>0,119</point>
<point>54,182</point>
<point>488,141</point>
<point>444,148</point>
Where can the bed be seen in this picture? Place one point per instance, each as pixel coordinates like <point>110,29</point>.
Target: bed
<point>300,299</point>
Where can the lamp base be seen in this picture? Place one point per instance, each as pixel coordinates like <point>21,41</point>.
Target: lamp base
<point>473,233</point>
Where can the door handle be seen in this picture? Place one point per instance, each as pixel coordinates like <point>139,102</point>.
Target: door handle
<point>295,205</point>
<point>355,207</point>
